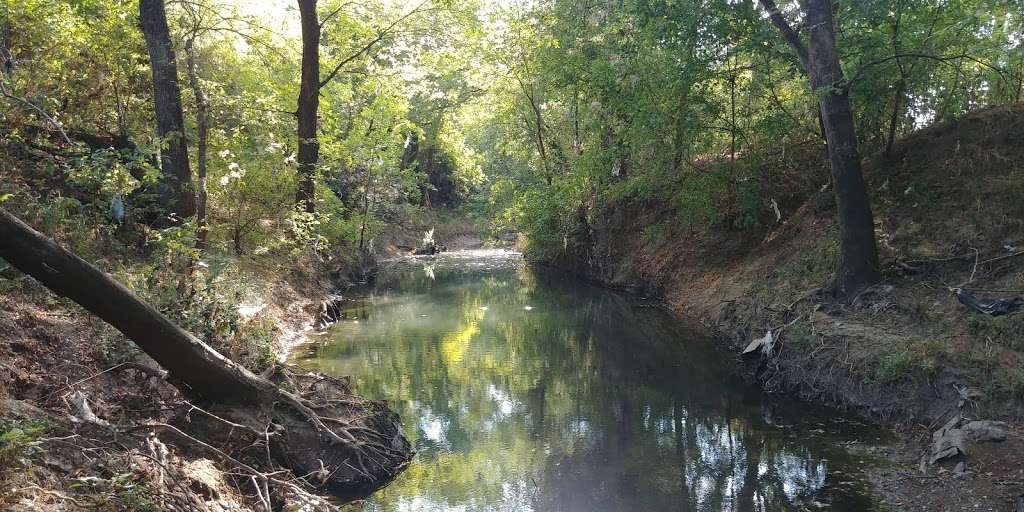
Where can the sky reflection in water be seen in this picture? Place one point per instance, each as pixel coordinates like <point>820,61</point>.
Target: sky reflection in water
<point>525,391</point>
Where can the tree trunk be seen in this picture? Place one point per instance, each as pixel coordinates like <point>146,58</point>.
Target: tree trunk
<point>203,370</point>
<point>309,102</point>
<point>202,127</point>
<point>894,118</point>
<point>362,453</point>
<point>857,265</point>
<point>175,190</point>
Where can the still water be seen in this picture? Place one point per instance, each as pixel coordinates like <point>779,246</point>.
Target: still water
<point>528,391</point>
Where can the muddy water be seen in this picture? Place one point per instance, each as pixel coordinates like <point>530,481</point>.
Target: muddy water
<point>523,390</point>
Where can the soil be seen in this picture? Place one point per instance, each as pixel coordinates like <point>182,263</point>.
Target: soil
<point>993,478</point>
<point>53,354</point>
<point>905,353</point>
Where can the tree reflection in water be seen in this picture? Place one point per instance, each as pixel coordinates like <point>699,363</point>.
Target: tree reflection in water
<point>526,391</point>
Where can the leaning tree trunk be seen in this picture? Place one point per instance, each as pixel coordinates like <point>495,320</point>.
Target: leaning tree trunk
<point>175,190</point>
<point>362,453</point>
<point>309,102</point>
<point>204,371</point>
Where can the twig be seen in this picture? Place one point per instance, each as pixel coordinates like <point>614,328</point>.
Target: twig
<point>56,124</point>
<point>989,290</point>
<point>73,384</point>
<point>973,270</point>
<point>193,407</point>
<point>1001,258</point>
<point>259,493</point>
<point>51,493</point>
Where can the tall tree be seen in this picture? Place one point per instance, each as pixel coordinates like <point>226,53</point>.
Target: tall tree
<point>202,124</point>
<point>309,102</point>
<point>857,265</point>
<point>175,188</point>
<point>311,83</point>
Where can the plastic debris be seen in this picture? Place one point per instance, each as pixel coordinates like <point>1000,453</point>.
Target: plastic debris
<point>991,307</point>
<point>764,343</point>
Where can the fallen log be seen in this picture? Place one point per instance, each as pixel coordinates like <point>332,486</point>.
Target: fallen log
<point>362,449</point>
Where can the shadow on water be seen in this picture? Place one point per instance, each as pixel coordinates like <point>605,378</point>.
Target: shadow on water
<point>525,390</point>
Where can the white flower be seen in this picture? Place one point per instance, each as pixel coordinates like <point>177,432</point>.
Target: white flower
<point>224,180</point>
<point>224,153</point>
<point>233,165</point>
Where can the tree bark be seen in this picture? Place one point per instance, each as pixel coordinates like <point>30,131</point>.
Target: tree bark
<point>308,104</point>
<point>203,370</point>
<point>202,128</point>
<point>175,189</point>
<point>857,265</point>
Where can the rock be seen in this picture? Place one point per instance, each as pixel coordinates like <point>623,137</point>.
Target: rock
<point>949,441</point>
<point>985,431</point>
<point>949,445</point>
<point>960,468</point>
<point>18,409</point>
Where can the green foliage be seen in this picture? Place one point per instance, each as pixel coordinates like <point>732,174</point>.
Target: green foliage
<point>19,439</point>
<point>120,491</point>
<point>1007,331</point>
<point>647,101</point>
<point>916,359</point>
<point>1010,382</point>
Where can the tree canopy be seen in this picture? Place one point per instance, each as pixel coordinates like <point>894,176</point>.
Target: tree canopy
<point>531,115</point>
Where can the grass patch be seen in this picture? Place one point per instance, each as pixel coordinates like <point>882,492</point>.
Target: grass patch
<point>1007,331</point>
<point>811,266</point>
<point>915,359</point>
<point>1010,382</point>
<point>802,336</point>
<point>121,491</point>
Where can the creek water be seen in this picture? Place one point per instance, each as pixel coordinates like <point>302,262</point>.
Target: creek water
<point>527,390</point>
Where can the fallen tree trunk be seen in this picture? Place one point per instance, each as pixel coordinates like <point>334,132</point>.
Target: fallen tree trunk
<point>207,373</point>
<point>363,449</point>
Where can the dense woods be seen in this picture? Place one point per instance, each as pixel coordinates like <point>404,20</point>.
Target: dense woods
<point>192,161</point>
<point>560,105</point>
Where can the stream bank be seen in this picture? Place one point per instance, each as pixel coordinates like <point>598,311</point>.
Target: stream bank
<point>524,389</point>
<point>905,353</point>
<point>87,420</point>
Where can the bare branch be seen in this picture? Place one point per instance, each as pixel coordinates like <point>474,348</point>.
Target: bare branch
<point>334,13</point>
<point>918,55</point>
<point>373,42</point>
<point>42,113</point>
<point>788,33</point>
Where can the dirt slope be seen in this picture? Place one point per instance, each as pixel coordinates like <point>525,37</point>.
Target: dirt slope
<point>949,207</point>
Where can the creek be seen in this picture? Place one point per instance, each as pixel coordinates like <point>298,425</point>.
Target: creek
<point>524,389</point>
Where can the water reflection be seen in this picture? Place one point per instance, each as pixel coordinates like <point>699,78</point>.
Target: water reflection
<point>524,391</point>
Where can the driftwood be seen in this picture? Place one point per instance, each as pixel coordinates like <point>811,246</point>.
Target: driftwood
<point>343,443</point>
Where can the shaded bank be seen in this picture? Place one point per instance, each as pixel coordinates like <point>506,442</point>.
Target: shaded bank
<point>203,409</point>
<point>906,352</point>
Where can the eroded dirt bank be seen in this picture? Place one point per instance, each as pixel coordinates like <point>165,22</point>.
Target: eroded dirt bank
<point>949,206</point>
<point>89,422</point>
